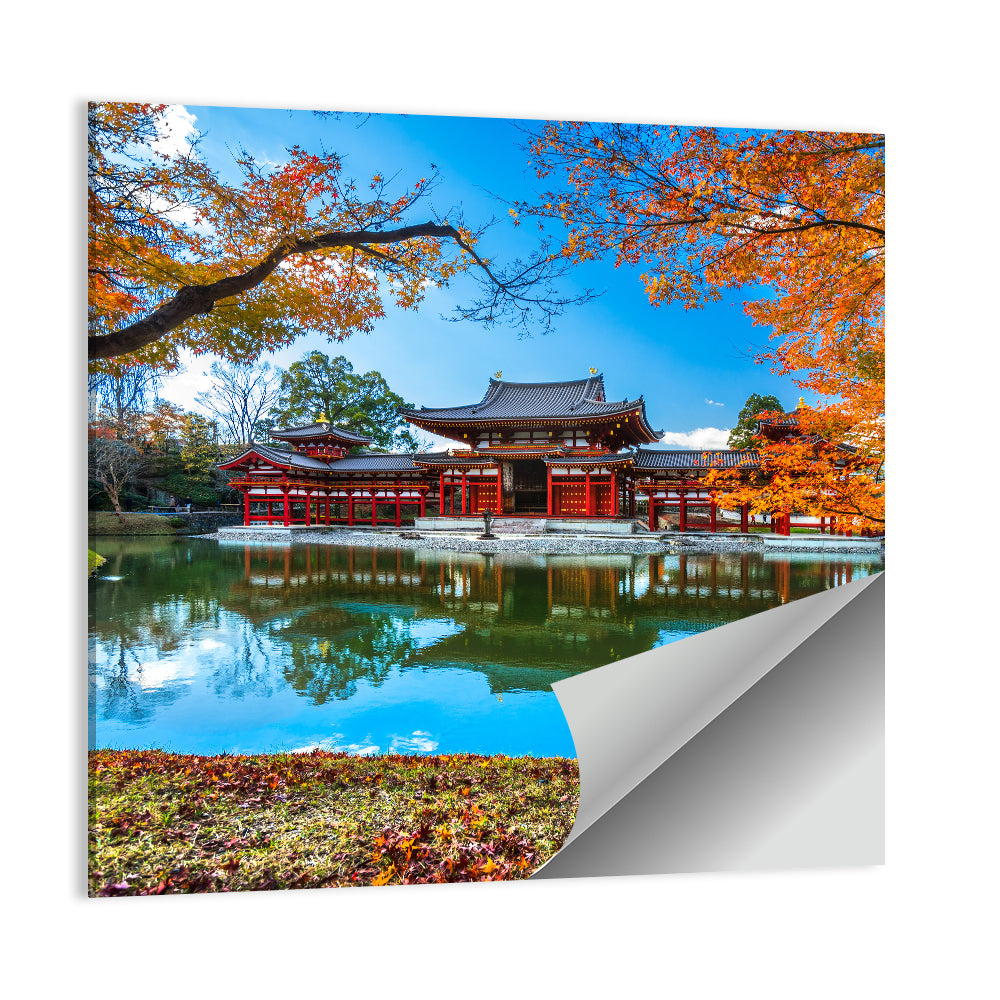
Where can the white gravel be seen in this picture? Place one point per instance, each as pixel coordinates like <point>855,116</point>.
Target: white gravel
<point>542,544</point>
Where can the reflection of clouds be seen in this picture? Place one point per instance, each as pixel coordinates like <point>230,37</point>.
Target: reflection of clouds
<point>430,631</point>
<point>419,742</point>
<point>336,744</point>
<point>156,673</point>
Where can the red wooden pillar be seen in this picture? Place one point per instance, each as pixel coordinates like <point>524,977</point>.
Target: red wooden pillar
<point>452,498</point>
<point>286,520</point>
<point>308,508</point>
<point>548,476</point>
<point>423,503</point>
<point>350,507</point>
<point>714,523</point>
<point>246,506</point>
<point>464,501</point>
<point>744,517</point>
<point>398,522</point>
<point>588,504</point>
<point>328,509</point>
<point>441,497</point>
<point>374,508</point>
<point>652,511</point>
<point>682,524</point>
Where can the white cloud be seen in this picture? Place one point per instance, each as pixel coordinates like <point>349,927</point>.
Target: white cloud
<point>700,439</point>
<point>176,130</point>
<point>712,402</point>
<point>419,742</point>
<point>182,387</point>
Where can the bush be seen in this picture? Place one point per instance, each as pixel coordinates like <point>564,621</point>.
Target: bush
<point>176,522</point>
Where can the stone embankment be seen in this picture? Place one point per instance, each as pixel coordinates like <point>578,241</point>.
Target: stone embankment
<point>672,542</point>
<point>200,522</point>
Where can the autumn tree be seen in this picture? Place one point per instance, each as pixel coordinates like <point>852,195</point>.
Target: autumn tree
<point>794,219</point>
<point>180,258</point>
<point>743,435</point>
<point>318,387</point>
<point>240,397</point>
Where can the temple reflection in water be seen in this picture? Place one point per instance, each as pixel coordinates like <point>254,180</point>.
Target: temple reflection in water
<point>554,615</point>
<point>202,647</point>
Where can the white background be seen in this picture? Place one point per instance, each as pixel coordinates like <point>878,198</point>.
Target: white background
<point>921,925</point>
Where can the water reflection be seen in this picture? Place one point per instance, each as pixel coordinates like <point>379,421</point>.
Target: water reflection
<point>205,647</point>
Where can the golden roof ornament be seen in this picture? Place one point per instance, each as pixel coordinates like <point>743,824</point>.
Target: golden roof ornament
<point>593,371</point>
<point>498,373</point>
<point>802,403</point>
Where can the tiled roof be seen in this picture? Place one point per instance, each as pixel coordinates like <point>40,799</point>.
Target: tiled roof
<point>722,458</point>
<point>520,450</point>
<point>447,459</point>
<point>526,400</point>
<point>376,462</point>
<point>611,458</point>
<point>284,459</point>
<point>311,431</point>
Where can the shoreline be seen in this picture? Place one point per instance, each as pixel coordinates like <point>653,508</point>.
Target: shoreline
<point>655,544</point>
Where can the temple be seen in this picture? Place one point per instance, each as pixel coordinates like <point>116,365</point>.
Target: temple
<point>558,450</point>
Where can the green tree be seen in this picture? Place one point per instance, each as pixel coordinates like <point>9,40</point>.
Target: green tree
<point>742,435</point>
<point>199,444</point>
<point>318,387</point>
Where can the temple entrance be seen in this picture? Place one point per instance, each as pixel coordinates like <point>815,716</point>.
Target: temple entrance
<point>530,487</point>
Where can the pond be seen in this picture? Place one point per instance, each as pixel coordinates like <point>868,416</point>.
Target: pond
<point>201,647</point>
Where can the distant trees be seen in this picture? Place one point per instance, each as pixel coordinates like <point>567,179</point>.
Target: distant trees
<point>742,435</point>
<point>240,398</point>
<point>119,397</point>
<point>111,465</point>
<point>165,449</point>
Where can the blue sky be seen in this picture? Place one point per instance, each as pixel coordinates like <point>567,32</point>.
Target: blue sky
<point>694,368</point>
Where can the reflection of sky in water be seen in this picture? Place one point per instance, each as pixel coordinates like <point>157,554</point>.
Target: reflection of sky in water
<point>218,694</point>
<point>205,649</point>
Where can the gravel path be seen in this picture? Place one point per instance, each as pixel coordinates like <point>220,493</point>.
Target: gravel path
<point>542,544</point>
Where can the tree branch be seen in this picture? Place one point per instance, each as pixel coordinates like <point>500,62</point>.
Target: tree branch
<point>193,300</point>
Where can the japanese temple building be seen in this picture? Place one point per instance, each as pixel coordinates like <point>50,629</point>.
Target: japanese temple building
<point>548,449</point>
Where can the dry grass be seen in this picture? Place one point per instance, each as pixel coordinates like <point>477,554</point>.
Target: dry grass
<point>164,823</point>
<point>101,522</point>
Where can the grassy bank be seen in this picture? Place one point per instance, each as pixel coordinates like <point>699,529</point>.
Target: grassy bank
<point>94,561</point>
<point>101,522</point>
<point>168,823</point>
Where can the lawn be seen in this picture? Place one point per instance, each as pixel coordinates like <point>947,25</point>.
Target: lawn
<point>101,522</point>
<point>170,823</point>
